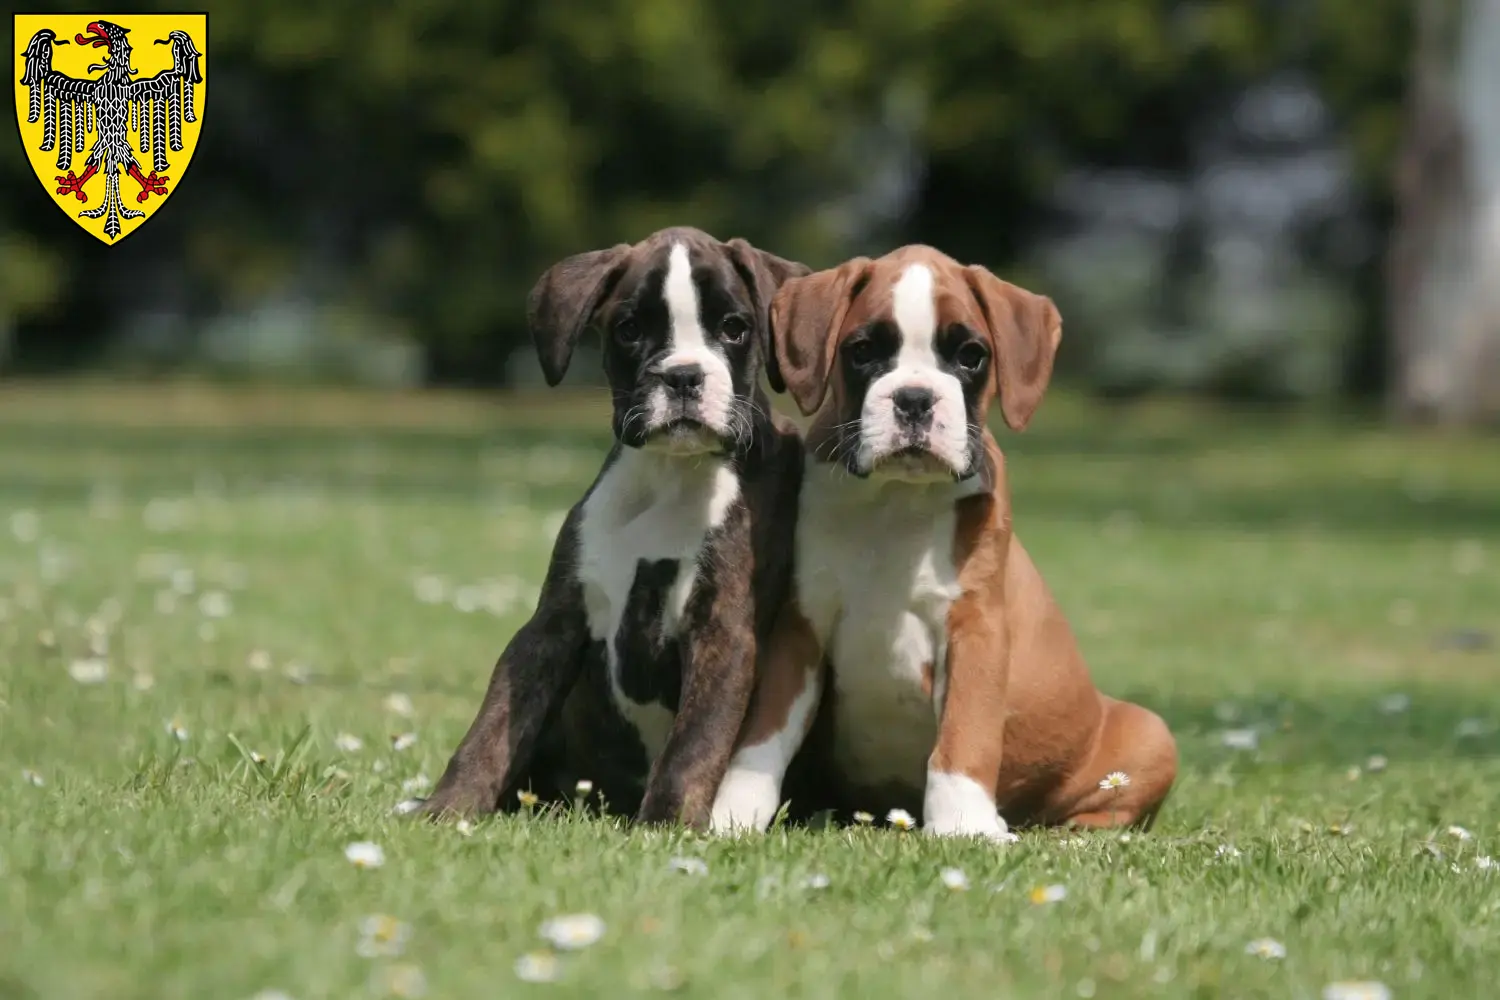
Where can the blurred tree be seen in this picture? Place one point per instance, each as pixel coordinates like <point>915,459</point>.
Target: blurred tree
<point>414,167</point>
<point>1445,256</point>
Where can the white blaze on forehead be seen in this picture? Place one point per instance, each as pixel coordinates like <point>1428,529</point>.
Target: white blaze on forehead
<point>682,302</point>
<point>688,344</point>
<point>915,312</point>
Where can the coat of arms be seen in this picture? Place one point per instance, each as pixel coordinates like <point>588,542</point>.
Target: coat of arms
<point>106,132</point>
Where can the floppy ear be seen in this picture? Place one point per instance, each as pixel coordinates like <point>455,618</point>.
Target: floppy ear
<point>764,273</point>
<point>563,301</point>
<point>805,317</point>
<point>1025,329</point>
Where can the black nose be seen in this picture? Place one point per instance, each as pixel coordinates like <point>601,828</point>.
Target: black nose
<point>912,403</point>
<point>684,380</point>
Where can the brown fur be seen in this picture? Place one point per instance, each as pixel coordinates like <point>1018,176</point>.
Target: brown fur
<point>1021,715</point>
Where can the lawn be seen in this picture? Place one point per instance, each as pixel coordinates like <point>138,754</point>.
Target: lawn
<point>192,581</point>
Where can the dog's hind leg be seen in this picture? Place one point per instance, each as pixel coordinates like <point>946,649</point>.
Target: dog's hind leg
<point>1126,778</point>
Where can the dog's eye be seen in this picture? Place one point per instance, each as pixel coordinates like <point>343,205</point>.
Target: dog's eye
<point>732,328</point>
<point>627,330</point>
<point>972,356</point>
<point>860,352</point>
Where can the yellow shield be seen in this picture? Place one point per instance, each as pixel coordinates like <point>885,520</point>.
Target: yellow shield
<point>110,107</point>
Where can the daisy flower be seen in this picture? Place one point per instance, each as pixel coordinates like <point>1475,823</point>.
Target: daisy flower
<point>584,788</point>
<point>399,704</point>
<point>1227,851</point>
<point>688,866</point>
<point>1266,948</point>
<point>403,741</point>
<point>365,854</point>
<point>900,819</point>
<point>1459,833</point>
<point>464,828</point>
<point>382,936</point>
<point>527,798</point>
<point>1376,763</point>
<point>572,931</point>
<point>1044,894</point>
<point>348,742</point>
<point>863,818</point>
<point>1484,863</point>
<point>32,777</point>
<point>537,967</point>
<point>176,729</point>
<point>1369,990</point>
<point>416,783</point>
<point>1113,780</point>
<point>1240,739</point>
<point>954,879</point>
<point>404,981</point>
<point>817,880</point>
<point>407,806</point>
<point>89,671</point>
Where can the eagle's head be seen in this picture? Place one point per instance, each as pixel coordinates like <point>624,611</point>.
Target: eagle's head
<point>102,33</point>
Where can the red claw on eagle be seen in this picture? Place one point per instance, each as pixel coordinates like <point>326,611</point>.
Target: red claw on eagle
<point>149,185</point>
<point>74,185</point>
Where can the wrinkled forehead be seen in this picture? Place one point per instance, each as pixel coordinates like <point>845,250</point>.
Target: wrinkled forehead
<point>917,291</point>
<point>672,264</point>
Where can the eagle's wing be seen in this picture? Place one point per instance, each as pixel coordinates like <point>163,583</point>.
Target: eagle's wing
<point>171,92</point>
<point>53,97</point>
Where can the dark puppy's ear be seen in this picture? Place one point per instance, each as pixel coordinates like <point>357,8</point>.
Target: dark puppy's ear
<point>1025,329</point>
<point>806,316</point>
<point>764,273</point>
<point>563,301</point>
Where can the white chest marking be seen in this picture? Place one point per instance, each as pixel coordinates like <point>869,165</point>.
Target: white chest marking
<point>876,578</point>
<point>647,507</point>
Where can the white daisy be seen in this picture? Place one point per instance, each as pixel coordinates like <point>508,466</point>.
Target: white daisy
<point>365,854</point>
<point>1240,739</point>
<point>215,604</point>
<point>176,729</point>
<point>415,784</point>
<point>1228,851</point>
<point>348,742</point>
<point>404,981</point>
<point>863,818</point>
<point>584,788</point>
<point>1459,833</point>
<point>464,828</point>
<point>1113,780</point>
<point>527,798</point>
<point>399,704</point>
<point>1484,863</point>
<point>407,806</point>
<point>954,879</point>
<point>1044,894</point>
<point>538,967</point>
<point>900,819</point>
<point>688,866</point>
<point>1266,948</point>
<point>1376,763</point>
<point>817,880</point>
<point>403,741</point>
<point>31,777</point>
<point>572,931</point>
<point>382,936</point>
<point>256,757</point>
<point>1369,990</point>
<point>91,670</point>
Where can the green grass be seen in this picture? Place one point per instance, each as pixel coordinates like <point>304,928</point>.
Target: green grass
<point>1230,569</point>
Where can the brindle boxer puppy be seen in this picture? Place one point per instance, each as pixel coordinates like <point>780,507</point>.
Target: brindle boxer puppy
<point>637,667</point>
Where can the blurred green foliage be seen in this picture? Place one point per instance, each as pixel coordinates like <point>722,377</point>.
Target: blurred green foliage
<point>424,160</point>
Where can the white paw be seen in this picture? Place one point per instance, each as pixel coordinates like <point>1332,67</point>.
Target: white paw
<point>958,806</point>
<point>746,803</point>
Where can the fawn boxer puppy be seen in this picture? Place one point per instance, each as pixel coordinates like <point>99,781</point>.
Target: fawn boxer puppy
<point>636,669</point>
<point>921,659</point>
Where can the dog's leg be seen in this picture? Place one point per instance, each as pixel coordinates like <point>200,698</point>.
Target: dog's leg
<point>964,768</point>
<point>718,677</point>
<point>787,688</point>
<point>530,680</point>
<point>1128,776</point>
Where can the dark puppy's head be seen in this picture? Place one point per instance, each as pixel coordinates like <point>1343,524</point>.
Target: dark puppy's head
<point>685,323</point>
<point>913,347</point>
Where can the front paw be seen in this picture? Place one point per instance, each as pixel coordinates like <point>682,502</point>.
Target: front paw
<point>958,806</point>
<point>459,801</point>
<point>746,803</point>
